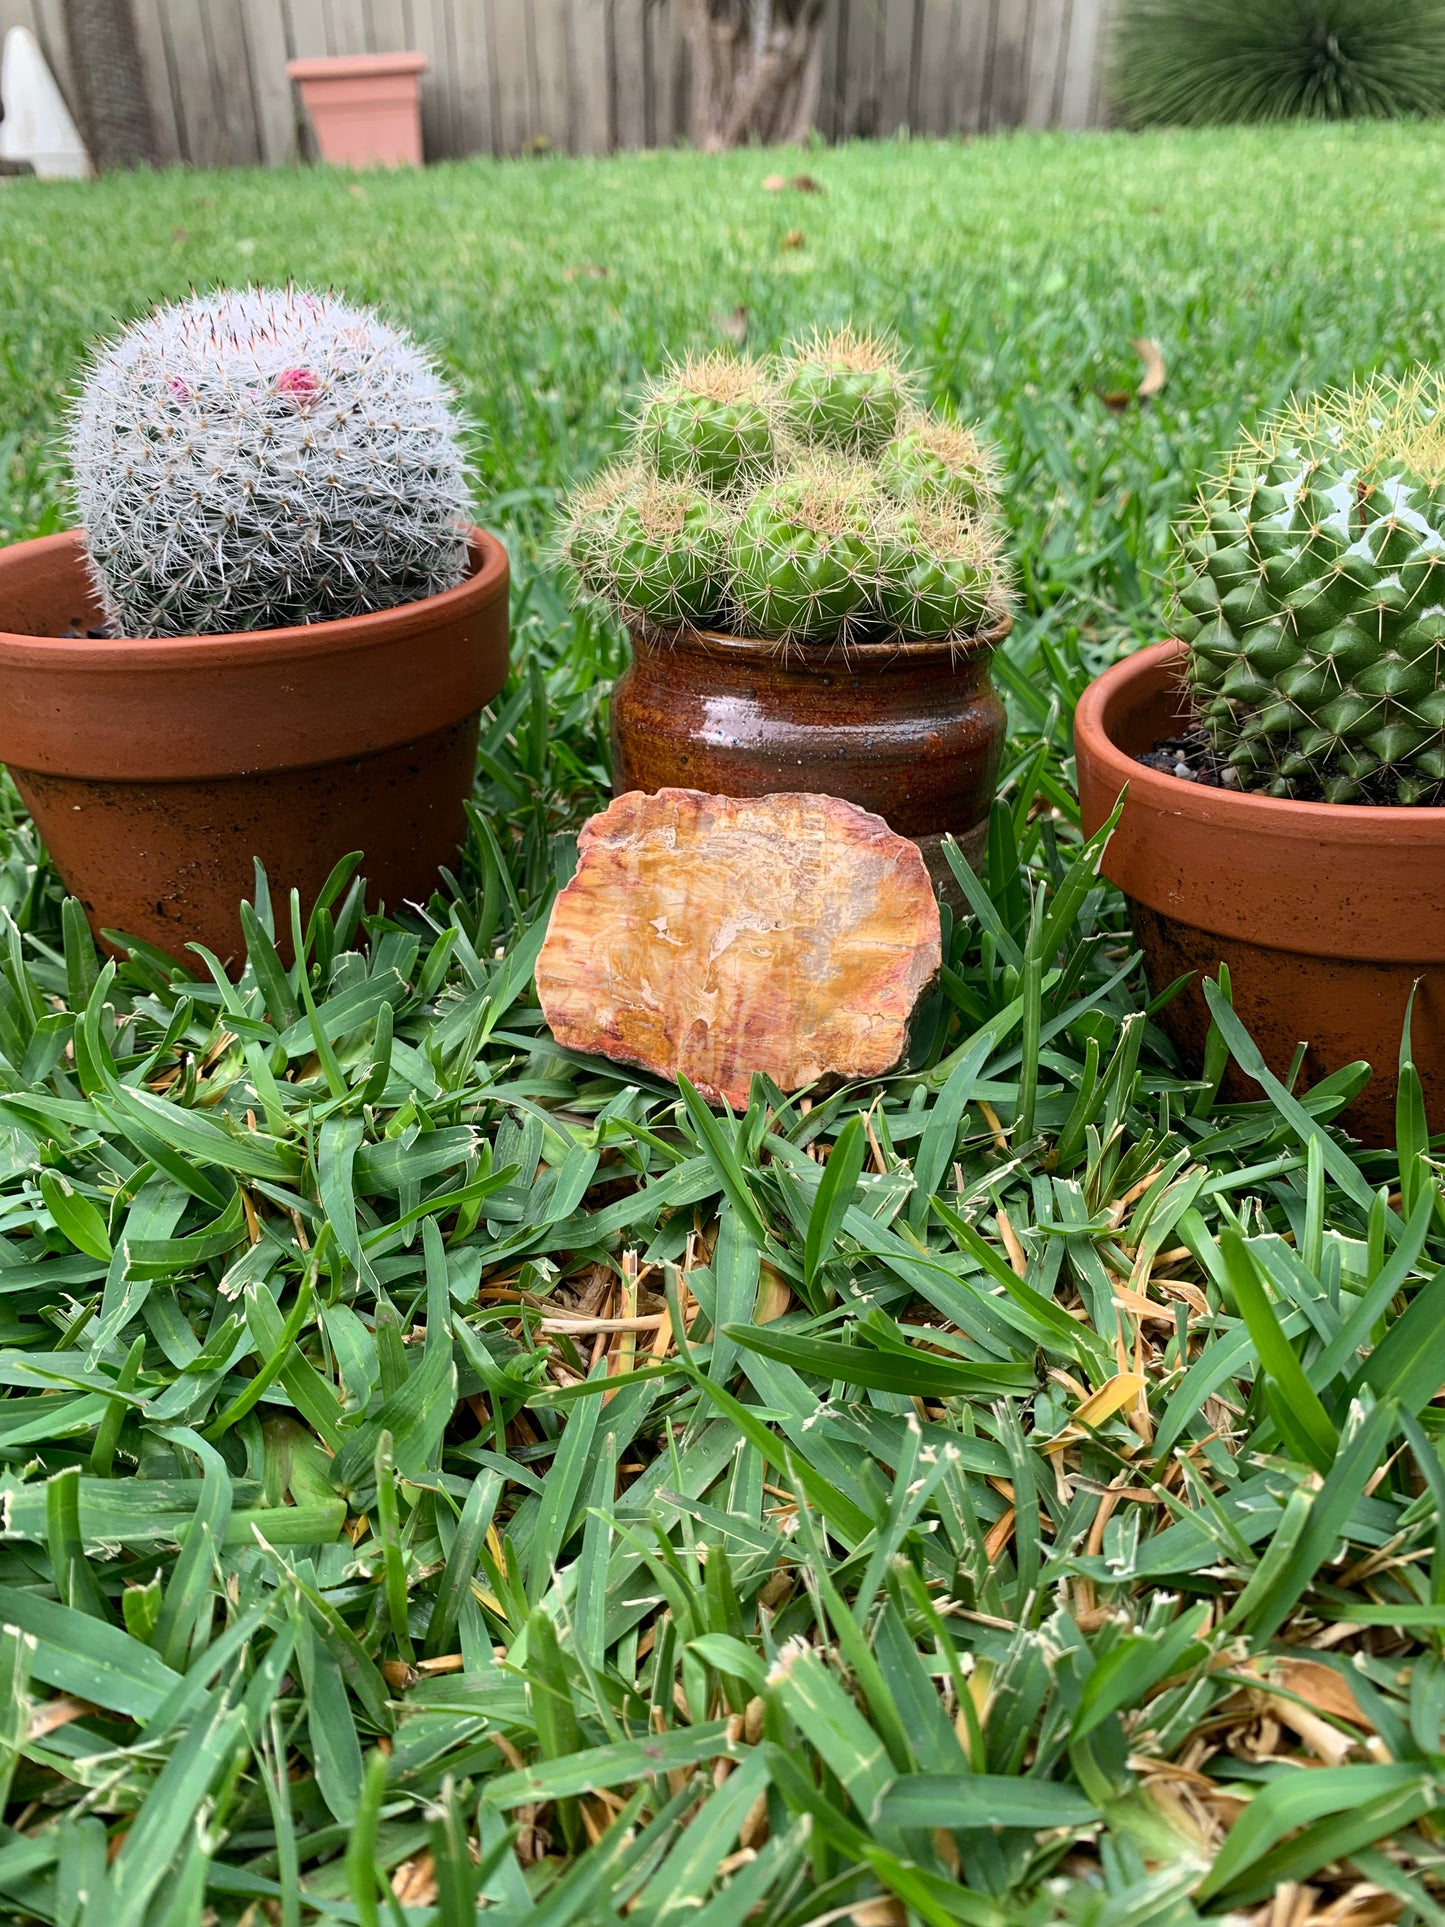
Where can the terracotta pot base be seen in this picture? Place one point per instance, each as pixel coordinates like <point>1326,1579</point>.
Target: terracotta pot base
<point>166,847</point>
<point>156,771</point>
<point>913,732</point>
<point>1327,915</point>
<point>1342,1010</point>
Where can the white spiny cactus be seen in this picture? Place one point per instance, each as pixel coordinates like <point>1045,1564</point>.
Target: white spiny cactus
<point>262,459</point>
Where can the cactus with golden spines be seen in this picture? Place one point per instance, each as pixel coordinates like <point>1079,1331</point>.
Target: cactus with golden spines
<point>802,501</point>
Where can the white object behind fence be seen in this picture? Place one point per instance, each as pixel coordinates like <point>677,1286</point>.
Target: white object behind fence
<point>37,126</point>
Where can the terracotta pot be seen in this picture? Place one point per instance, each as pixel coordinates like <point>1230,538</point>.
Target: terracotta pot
<point>913,731</point>
<point>1326,913</point>
<point>155,771</point>
<point>365,109</point>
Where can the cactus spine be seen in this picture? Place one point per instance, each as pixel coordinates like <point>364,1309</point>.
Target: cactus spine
<point>661,554</point>
<point>934,460</point>
<point>803,558</point>
<point>845,392</point>
<point>941,574</point>
<point>749,502</point>
<point>710,422</point>
<point>262,459</point>
<point>1314,604</point>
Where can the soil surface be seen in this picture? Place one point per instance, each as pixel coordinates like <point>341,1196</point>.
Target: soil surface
<point>1190,758</point>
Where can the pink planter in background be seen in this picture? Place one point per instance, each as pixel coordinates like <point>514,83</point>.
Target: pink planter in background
<point>365,108</point>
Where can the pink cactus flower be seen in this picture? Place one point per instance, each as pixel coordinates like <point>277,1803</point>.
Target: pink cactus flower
<point>299,382</point>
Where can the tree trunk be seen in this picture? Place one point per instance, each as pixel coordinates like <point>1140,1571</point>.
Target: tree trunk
<point>757,70</point>
<point>111,101</point>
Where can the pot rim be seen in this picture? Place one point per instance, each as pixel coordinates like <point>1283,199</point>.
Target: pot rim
<point>1360,883</point>
<point>1265,815</point>
<point>354,66</point>
<point>186,708</point>
<point>484,582</point>
<point>806,657</point>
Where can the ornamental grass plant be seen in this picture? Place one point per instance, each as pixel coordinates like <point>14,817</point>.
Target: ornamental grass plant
<point>1201,63</point>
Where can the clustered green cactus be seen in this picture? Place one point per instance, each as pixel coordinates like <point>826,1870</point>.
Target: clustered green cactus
<point>1314,607</point>
<point>800,501</point>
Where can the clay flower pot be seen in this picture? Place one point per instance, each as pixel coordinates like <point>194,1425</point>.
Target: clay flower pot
<point>1327,914</point>
<point>365,109</point>
<point>156,770</point>
<point>913,731</point>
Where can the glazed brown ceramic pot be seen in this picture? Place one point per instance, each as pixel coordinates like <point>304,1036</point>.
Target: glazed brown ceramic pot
<point>1326,913</point>
<point>155,771</point>
<point>913,731</point>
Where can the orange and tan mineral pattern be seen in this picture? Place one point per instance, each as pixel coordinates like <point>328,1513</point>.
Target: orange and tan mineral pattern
<point>715,936</point>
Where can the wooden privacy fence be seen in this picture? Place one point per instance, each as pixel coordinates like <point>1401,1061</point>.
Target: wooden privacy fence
<point>517,76</point>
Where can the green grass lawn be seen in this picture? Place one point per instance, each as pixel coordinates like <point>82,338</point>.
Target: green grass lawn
<point>1067,1544</point>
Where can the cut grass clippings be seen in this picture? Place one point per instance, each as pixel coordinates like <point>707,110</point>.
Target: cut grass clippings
<point>440,1470</point>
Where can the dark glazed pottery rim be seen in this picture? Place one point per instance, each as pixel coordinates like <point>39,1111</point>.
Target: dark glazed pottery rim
<point>816,657</point>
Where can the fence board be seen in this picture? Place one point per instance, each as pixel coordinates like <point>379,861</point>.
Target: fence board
<point>629,39</point>
<point>1098,112</point>
<point>231,130</point>
<point>155,61</point>
<point>388,26</point>
<point>345,26</point>
<point>1009,67</point>
<point>429,35</point>
<point>474,98</point>
<point>896,99</point>
<point>550,58</point>
<point>592,75</point>
<point>665,56</point>
<point>264,25</point>
<point>190,79</point>
<point>307,24</point>
<point>1047,41</point>
<point>831,96</point>
<point>963,69</point>
<point>862,87</point>
<point>935,67</point>
<point>591,133</point>
<point>48,25</point>
<point>1077,62</point>
<point>511,99</point>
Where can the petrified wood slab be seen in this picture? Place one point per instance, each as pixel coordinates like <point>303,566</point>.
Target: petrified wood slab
<point>717,936</point>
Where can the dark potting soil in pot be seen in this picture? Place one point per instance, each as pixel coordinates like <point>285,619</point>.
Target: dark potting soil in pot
<point>1190,757</point>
